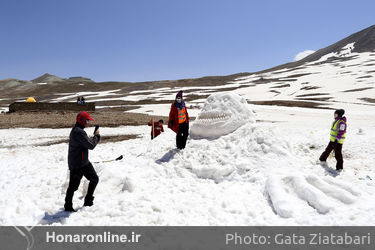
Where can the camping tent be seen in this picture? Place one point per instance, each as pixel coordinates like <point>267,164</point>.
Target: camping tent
<point>30,99</point>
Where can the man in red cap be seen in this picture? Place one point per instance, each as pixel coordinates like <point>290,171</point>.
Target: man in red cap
<point>78,161</point>
<point>179,120</point>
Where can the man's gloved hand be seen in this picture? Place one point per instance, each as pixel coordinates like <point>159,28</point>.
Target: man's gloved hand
<point>96,131</point>
<point>335,143</point>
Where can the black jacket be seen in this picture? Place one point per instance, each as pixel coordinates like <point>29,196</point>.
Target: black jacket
<point>79,145</point>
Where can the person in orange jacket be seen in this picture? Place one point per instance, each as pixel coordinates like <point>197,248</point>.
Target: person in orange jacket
<point>179,120</point>
<point>157,128</point>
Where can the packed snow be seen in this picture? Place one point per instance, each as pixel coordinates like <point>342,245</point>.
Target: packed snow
<point>263,173</point>
<point>222,114</point>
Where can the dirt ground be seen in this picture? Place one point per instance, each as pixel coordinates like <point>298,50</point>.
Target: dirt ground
<point>103,139</point>
<point>63,119</point>
<point>111,117</point>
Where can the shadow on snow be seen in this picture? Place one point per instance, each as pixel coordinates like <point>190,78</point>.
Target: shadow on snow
<point>58,217</point>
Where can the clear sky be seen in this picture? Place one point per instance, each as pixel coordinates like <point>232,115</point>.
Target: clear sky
<point>139,40</point>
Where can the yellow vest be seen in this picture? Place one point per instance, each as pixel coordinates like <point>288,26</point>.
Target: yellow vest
<point>335,131</point>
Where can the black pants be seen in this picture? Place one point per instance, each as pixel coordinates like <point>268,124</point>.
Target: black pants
<point>338,154</point>
<point>153,137</point>
<point>75,179</point>
<point>182,135</point>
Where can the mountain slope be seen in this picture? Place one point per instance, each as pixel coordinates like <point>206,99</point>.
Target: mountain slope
<point>47,78</point>
<point>364,42</point>
<point>341,74</point>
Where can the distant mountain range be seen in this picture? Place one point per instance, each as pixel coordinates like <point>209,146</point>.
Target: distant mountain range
<point>342,73</point>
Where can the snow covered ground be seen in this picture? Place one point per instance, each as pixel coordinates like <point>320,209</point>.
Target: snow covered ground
<point>261,174</point>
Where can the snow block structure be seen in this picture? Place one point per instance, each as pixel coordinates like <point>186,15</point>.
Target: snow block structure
<point>221,114</point>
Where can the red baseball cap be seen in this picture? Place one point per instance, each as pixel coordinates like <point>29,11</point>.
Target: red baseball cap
<point>82,118</point>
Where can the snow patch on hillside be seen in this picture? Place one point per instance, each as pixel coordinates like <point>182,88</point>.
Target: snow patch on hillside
<point>344,52</point>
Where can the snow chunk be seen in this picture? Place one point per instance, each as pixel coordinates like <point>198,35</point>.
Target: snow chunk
<point>279,198</point>
<point>331,190</point>
<point>128,185</point>
<point>311,195</point>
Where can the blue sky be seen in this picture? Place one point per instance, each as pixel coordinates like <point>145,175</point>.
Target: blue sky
<point>139,40</point>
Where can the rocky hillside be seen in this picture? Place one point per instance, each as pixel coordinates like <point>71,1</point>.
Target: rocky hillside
<point>341,74</point>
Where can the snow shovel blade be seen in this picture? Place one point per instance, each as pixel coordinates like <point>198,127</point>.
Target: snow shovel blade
<point>117,159</point>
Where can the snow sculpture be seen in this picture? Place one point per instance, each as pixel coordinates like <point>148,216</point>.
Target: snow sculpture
<point>322,194</point>
<point>222,114</point>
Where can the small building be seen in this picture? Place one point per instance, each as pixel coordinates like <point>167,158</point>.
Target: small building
<point>46,106</point>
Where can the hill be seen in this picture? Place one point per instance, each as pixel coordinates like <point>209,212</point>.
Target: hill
<point>341,74</point>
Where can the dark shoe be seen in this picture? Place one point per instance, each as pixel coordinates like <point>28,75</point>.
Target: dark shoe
<point>69,208</point>
<point>89,201</point>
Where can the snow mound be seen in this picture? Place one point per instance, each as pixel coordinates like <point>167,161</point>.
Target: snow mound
<point>237,156</point>
<point>221,114</point>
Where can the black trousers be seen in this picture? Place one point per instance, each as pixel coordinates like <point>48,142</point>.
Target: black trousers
<point>182,135</point>
<point>338,154</point>
<point>75,179</point>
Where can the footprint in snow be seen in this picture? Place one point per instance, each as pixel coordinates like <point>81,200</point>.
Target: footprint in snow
<point>322,194</point>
